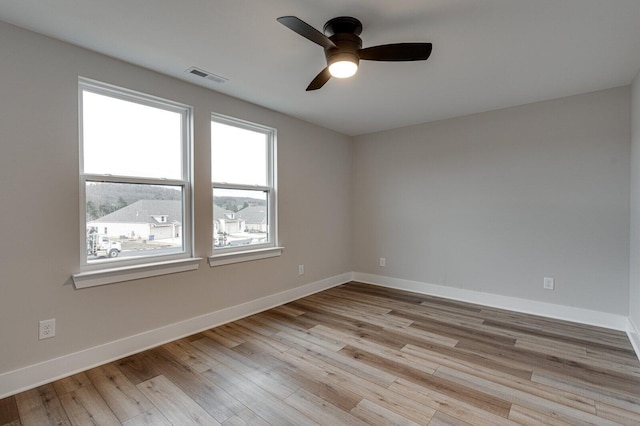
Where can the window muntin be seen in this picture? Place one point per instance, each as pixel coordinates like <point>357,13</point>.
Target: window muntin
<point>243,185</point>
<point>135,170</point>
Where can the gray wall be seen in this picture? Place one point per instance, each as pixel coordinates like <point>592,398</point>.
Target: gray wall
<point>39,207</point>
<point>634,290</point>
<point>496,201</point>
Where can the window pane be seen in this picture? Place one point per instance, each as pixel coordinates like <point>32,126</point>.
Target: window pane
<point>240,217</point>
<point>238,155</point>
<point>130,139</point>
<point>133,220</point>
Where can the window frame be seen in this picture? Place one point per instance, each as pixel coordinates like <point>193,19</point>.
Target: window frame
<point>122,269</point>
<point>242,253</point>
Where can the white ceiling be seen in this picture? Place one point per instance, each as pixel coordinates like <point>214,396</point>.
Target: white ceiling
<point>487,54</point>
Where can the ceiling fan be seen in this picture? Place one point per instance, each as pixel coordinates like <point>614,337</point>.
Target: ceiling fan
<point>343,47</point>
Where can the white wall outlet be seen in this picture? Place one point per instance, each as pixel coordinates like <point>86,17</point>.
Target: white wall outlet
<point>548,283</point>
<point>300,269</point>
<point>383,261</point>
<point>47,329</point>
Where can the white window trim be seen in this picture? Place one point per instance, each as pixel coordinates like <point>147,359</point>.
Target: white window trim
<point>229,255</point>
<point>244,256</point>
<point>112,271</point>
<point>129,273</point>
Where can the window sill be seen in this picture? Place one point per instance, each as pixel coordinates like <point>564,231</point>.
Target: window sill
<point>128,273</point>
<point>244,256</point>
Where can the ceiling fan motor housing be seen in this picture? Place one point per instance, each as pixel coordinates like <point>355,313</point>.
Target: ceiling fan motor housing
<point>343,24</point>
<point>347,46</point>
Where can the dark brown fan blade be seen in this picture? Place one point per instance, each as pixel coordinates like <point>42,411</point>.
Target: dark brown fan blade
<point>306,31</point>
<point>397,52</point>
<point>320,80</point>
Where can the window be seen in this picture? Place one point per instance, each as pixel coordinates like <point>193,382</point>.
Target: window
<point>135,173</point>
<point>244,193</point>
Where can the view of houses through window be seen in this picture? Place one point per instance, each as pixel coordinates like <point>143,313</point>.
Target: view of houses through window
<point>239,217</point>
<point>128,220</point>
<point>135,171</point>
<point>242,173</point>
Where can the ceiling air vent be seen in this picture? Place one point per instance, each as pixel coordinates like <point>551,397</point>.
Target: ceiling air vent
<point>208,75</point>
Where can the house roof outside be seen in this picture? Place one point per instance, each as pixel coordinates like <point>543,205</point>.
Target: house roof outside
<point>145,211</point>
<point>224,214</point>
<point>253,214</point>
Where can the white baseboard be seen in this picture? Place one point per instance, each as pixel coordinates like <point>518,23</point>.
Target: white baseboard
<point>35,375</point>
<point>562,312</point>
<point>634,336</point>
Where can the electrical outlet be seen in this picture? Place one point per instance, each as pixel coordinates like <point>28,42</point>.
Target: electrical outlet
<point>47,329</point>
<point>548,283</point>
<point>383,261</point>
<point>300,269</point>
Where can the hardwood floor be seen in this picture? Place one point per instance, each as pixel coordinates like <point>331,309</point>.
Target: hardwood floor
<point>358,354</point>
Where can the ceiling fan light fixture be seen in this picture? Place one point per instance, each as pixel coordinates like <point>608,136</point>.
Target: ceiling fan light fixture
<point>343,47</point>
<point>343,65</point>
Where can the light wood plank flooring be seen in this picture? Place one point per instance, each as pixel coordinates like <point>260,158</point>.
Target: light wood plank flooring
<point>358,354</point>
